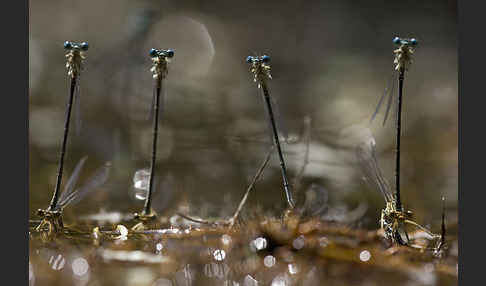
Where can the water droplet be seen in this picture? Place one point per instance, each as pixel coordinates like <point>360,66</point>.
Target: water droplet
<point>141,181</point>
<point>219,255</point>
<point>80,266</point>
<point>269,261</point>
<point>122,230</point>
<point>364,255</point>
<point>258,244</point>
<point>226,239</point>
<point>299,242</point>
<point>323,241</point>
<point>140,194</point>
<point>293,268</point>
<point>281,280</point>
<point>250,281</point>
<point>57,262</point>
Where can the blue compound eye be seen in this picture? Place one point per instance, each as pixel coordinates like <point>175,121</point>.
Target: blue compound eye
<point>265,59</point>
<point>169,53</point>
<point>68,45</point>
<point>397,40</point>
<point>84,46</point>
<point>249,59</point>
<point>413,42</point>
<point>153,53</point>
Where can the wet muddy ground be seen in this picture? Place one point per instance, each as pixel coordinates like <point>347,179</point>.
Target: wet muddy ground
<point>269,251</point>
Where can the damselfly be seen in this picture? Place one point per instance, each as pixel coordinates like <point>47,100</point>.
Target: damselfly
<point>403,60</point>
<point>159,69</point>
<point>52,216</point>
<point>76,53</point>
<point>393,221</point>
<point>260,68</point>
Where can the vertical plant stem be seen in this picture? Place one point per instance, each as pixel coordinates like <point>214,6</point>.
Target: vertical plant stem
<point>148,201</point>
<point>288,193</point>
<point>55,196</point>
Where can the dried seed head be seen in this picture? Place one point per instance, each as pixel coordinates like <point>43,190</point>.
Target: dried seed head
<point>260,68</point>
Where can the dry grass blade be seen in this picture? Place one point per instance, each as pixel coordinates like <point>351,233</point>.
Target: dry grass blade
<point>251,186</point>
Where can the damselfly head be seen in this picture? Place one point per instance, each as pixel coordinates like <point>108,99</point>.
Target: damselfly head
<point>169,53</point>
<point>84,46</point>
<point>70,46</point>
<point>260,67</point>
<point>161,53</point>
<point>153,53</point>
<point>256,59</point>
<point>405,42</point>
<point>160,59</point>
<point>403,55</point>
<point>75,55</point>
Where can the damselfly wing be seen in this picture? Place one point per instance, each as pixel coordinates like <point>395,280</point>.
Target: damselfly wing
<point>72,196</point>
<point>387,93</point>
<point>366,154</point>
<point>77,108</point>
<point>162,101</point>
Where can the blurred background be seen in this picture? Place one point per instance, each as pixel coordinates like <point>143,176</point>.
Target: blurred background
<point>331,61</point>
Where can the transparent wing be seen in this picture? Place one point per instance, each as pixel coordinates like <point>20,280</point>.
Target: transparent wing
<point>387,92</point>
<point>316,200</point>
<point>77,106</point>
<point>259,138</point>
<point>165,191</point>
<point>150,116</point>
<point>366,154</point>
<point>390,101</point>
<point>95,181</point>
<point>161,101</point>
<point>68,189</point>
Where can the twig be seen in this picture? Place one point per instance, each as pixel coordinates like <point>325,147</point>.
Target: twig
<point>195,220</point>
<point>251,186</point>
